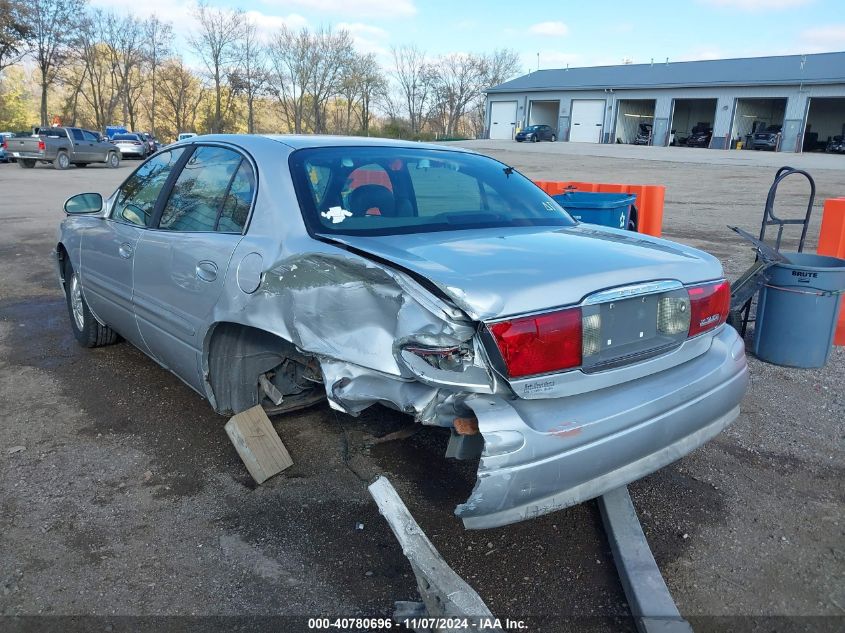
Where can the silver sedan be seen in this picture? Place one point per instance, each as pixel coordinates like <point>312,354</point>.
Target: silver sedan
<point>131,145</point>
<point>569,358</point>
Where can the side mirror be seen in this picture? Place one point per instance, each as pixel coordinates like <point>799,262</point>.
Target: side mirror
<point>84,203</point>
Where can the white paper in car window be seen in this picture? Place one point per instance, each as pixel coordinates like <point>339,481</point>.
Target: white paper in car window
<point>336,214</point>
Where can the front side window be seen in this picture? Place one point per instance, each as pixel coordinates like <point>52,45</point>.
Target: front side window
<point>389,190</point>
<point>136,199</point>
<point>90,136</point>
<point>201,200</point>
<point>77,134</point>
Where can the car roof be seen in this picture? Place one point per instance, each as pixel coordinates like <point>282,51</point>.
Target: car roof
<point>303,141</point>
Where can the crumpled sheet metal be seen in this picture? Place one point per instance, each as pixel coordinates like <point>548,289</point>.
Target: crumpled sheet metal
<point>354,315</point>
<point>348,309</point>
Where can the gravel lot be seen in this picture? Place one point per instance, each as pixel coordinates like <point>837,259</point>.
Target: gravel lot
<point>128,500</point>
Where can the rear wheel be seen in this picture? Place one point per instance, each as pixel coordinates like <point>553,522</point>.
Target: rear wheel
<point>26,163</point>
<point>87,330</point>
<point>113,160</point>
<point>62,161</point>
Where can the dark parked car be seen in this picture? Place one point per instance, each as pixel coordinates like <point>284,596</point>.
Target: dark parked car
<point>643,134</point>
<point>151,141</point>
<point>536,133</point>
<point>836,145</point>
<point>700,136</point>
<point>767,139</point>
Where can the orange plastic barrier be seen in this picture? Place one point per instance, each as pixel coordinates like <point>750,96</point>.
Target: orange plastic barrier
<point>649,202</point>
<point>832,243</point>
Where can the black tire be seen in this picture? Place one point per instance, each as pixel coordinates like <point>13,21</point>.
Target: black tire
<point>26,163</point>
<point>534,139</point>
<point>113,160</point>
<point>62,161</point>
<point>81,164</point>
<point>554,138</point>
<point>86,329</point>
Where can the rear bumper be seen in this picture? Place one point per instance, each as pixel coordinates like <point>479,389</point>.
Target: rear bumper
<point>544,455</point>
<point>131,151</point>
<point>32,155</point>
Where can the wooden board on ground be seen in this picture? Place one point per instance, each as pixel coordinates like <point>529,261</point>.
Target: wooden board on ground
<point>258,444</point>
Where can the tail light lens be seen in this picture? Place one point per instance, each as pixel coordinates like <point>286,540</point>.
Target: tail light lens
<point>709,306</point>
<point>42,146</point>
<point>576,337</point>
<point>540,344</point>
<point>4,144</point>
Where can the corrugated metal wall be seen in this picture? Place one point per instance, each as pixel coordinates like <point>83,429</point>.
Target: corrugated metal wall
<point>796,106</point>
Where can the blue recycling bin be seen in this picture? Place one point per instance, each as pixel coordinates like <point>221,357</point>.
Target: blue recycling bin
<point>606,209</point>
<point>797,310</point>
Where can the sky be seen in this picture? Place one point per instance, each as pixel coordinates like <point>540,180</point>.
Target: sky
<point>581,33</point>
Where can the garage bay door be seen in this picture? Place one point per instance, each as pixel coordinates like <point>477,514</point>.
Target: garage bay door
<point>587,120</point>
<point>502,119</point>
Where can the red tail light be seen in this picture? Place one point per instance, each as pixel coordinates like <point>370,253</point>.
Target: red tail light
<point>540,344</point>
<point>4,144</point>
<point>42,146</point>
<point>709,306</point>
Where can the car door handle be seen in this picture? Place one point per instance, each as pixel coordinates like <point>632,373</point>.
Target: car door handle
<point>125,250</point>
<point>206,271</point>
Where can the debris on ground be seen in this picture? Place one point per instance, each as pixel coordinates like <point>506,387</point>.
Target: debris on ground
<point>258,444</point>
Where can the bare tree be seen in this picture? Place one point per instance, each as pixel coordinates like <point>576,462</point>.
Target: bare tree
<point>413,74</point>
<point>360,85</point>
<point>53,24</point>
<point>252,76</point>
<point>458,80</point>
<point>181,94</point>
<point>331,54</point>
<point>124,37</point>
<point>217,45</point>
<point>159,38</point>
<point>15,32</point>
<point>92,68</point>
<point>290,58</point>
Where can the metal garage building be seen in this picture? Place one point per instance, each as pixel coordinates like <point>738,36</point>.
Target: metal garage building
<point>805,94</point>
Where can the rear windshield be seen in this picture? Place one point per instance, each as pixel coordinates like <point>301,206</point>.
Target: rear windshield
<point>126,137</point>
<point>389,190</point>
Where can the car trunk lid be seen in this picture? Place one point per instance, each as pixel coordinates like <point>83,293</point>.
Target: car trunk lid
<point>496,273</point>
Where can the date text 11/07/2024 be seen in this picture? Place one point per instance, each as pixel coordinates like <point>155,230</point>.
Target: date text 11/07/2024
<point>469,624</point>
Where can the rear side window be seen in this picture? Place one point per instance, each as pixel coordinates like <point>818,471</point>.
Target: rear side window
<point>213,192</point>
<point>236,208</point>
<point>137,197</point>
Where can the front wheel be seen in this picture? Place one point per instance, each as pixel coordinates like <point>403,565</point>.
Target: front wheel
<point>533,139</point>
<point>113,160</point>
<point>86,329</point>
<point>554,138</point>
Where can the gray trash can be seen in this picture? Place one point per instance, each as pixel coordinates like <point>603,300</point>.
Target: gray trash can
<point>797,310</point>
